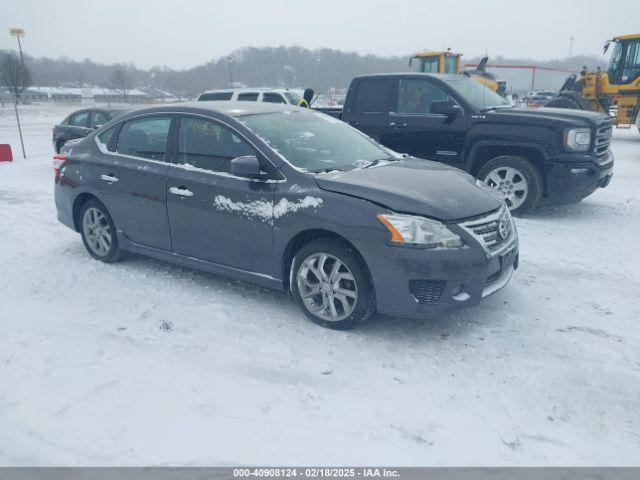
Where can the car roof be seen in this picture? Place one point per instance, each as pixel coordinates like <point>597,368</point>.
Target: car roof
<point>230,108</point>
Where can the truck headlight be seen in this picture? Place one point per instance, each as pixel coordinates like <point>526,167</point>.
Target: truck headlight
<point>410,230</point>
<point>577,139</point>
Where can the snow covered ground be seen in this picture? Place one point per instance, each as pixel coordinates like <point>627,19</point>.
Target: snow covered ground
<point>142,362</point>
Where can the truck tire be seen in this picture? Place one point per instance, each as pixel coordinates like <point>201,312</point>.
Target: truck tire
<point>517,179</point>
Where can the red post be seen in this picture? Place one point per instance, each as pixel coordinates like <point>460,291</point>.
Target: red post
<point>5,153</point>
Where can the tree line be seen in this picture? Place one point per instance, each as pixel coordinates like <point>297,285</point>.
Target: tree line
<point>282,66</point>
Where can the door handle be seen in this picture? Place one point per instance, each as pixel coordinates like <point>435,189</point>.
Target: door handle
<point>182,191</point>
<point>397,125</point>
<point>109,178</point>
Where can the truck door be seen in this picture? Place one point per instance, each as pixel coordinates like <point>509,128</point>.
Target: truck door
<point>413,129</point>
<point>368,103</point>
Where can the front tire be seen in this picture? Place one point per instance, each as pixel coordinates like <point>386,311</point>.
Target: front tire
<point>98,232</point>
<point>332,285</point>
<point>517,179</point>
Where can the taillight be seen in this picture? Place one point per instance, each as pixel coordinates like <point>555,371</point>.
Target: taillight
<point>58,161</point>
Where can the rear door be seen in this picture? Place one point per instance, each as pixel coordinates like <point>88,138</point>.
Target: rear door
<point>132,176</point>
<point>413,129</point>
<point>368,105</point>
<point>215,216</point>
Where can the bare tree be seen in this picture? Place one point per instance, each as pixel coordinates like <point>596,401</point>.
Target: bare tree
<point>14,75</point>
<point>120,81</point>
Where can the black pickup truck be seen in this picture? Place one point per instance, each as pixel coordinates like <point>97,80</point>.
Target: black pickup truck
<point>533,156</point>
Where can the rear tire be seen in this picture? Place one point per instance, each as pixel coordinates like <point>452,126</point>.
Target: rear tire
<point>517,179</point>
<point>98,232</point>
<point>332,285</point>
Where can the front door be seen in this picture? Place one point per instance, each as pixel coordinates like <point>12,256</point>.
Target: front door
<point>214,215</point>
<point>132,176</point>
<point>413,129</point>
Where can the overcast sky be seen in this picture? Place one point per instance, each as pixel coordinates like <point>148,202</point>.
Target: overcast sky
<point>186,33</point>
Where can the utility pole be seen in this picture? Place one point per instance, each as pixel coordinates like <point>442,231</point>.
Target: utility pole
<point>570,47</point>
<point>18,32</point>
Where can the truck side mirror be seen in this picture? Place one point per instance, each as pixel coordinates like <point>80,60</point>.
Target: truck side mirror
<point>446,107</point>
<point>247,166</point>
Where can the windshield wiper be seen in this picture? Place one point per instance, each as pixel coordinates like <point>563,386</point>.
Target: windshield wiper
<point>377,161</point>
<point>495,107</point>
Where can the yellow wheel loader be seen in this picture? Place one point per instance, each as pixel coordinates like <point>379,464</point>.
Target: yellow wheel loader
<point>449,62</point>
<point>615,91</point>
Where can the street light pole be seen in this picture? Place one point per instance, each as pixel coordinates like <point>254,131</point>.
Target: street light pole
<point>230,62</point>
<point>18,32</point>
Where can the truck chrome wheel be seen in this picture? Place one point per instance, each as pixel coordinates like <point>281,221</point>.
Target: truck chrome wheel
<point>327,287</point>
<point>511,183</point>
<point>97,231</point>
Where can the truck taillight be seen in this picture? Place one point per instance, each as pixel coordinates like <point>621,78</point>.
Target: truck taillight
<point>58,161</point>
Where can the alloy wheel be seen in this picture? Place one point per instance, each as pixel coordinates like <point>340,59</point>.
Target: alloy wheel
<point>97,231</point>
<point>327,287</point>
<point>511,182</point>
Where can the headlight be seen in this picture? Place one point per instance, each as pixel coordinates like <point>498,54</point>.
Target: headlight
<point>577,139</point>
<point>410,230</point>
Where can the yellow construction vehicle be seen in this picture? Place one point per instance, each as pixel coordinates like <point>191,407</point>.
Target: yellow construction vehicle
<point>449,62</point>
<point>615,91</point>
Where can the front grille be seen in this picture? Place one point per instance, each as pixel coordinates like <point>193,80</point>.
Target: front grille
<point>488,229</point>
<point>426,292</point>
<point>602,142</point>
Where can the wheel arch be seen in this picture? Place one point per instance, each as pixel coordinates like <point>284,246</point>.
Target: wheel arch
<point>305,237</point>
<point>78,203</point>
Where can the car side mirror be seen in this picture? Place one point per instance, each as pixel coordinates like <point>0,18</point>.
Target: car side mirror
<point>446,107</point>
<point>247,166</point>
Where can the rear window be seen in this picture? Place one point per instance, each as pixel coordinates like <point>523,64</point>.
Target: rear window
<point>247,97</point>
<point>145,137</point>
<point>207,97</point>
<point>372,96</point>
<point>79,119</point>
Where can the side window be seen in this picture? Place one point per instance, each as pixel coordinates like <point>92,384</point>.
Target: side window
<point>207,97</point>
<point>372,96</point>
<point>247,97</point>
<point>417,96</point>
<point>272,98</point>
<point>79,119</point>
<point>105,138</point>
<point>145,137</point>
<point>97,119</point>
<point>206,144</point>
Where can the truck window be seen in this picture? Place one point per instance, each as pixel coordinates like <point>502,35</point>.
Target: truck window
<point>372,96</point>
<point>417,96</point>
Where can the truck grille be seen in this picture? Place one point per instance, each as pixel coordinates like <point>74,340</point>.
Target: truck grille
<point>426,292</point>
<point>488,229</point>
<point>602,142</point>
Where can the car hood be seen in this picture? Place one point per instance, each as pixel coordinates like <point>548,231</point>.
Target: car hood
<point>544,114</point>
<point>415,186</point>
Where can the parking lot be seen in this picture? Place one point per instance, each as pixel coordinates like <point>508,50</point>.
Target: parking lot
<point>142,362</point>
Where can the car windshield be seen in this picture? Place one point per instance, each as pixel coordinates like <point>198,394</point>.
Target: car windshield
<point>476,94</point>
<point>316,142</point>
